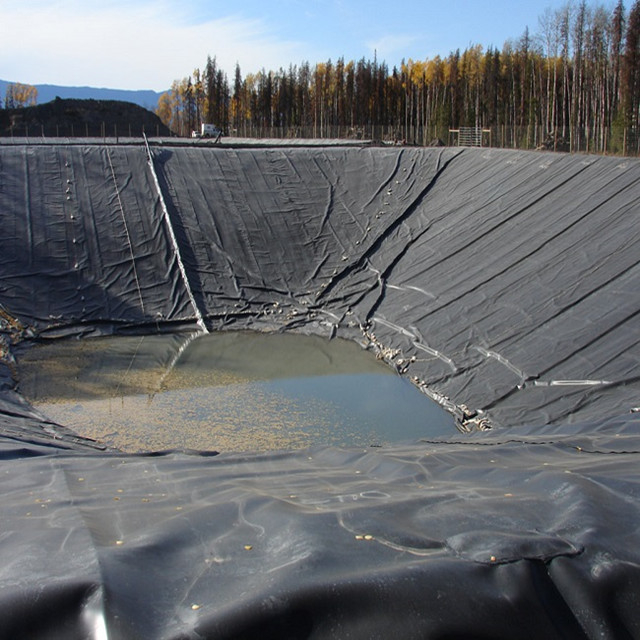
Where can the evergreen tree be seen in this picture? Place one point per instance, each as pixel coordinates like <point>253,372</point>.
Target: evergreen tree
<point>578,79</point>
<point>631,85</point>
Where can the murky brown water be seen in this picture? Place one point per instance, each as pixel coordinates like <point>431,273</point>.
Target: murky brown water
<point>226,392</point>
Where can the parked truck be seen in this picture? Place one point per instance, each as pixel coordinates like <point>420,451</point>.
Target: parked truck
<point>207,131</point>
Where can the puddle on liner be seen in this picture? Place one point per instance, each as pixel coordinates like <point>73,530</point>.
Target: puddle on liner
<point>239,391</point>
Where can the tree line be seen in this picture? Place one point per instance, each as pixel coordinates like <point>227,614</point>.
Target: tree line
<point>573,84</point>
<point>19,95</point>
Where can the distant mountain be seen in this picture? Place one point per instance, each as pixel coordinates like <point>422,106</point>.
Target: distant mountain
<point>47,92</point>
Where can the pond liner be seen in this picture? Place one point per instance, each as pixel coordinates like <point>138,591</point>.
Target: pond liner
<point>503,283</point>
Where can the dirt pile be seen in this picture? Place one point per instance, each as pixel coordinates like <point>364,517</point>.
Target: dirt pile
<point>555,142</point>
<point>81,118</point>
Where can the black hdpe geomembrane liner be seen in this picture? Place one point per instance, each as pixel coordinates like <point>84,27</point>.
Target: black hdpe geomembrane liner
<point>503,283</point>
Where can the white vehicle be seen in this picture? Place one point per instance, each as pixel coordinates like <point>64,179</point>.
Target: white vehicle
<point>207,131</point>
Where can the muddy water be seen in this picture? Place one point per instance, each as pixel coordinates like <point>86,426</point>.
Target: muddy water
<point>226,392</point>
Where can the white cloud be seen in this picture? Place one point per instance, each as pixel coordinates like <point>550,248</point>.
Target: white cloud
<point>127,45</point>
<point>388,46</point>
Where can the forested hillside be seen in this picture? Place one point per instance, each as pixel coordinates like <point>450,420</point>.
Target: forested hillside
<point>574,83</point>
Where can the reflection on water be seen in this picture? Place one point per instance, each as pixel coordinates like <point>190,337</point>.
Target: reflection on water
<point>226,392</point>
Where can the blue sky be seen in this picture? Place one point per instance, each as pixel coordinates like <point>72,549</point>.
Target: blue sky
<point>146,44</point>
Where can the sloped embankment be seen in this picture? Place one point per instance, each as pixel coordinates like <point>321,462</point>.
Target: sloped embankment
<point>501,281</point>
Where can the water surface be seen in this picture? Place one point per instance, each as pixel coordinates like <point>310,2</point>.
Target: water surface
<point>227,391</point>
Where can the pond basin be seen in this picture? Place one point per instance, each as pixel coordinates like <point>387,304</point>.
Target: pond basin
<point>225,391</point>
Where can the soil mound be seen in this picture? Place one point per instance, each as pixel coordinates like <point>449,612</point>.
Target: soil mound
<point>71,118</point>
